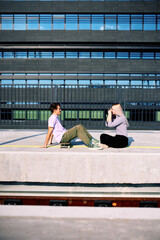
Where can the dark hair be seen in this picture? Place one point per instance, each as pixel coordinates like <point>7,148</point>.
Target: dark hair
<point>54,106</point>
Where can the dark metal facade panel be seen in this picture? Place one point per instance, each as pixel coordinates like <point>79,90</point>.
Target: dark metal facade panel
<point>62,36</point>
<point>78,7</point>
<point>80,65</point>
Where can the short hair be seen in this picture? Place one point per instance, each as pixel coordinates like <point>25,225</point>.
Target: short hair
<point>54,106</point>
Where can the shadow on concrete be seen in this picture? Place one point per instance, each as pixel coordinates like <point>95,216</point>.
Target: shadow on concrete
<point>19,139</point>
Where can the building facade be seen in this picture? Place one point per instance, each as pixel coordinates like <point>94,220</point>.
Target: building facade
<point>86,55</point>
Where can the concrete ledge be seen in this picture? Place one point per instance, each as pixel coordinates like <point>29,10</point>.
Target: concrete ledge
<point>66,167</point>
<point>79,212</point>
<point>22,160</point>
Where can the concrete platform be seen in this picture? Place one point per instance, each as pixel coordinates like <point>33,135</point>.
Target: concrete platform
<point>74,223</point>
<point>22,159</point>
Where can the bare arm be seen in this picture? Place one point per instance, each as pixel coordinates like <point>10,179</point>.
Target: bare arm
<point>50,130</point>
<point>109,117</point>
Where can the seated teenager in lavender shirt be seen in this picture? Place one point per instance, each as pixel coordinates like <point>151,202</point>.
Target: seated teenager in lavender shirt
<point>62,135</point>
<point>120,123</point>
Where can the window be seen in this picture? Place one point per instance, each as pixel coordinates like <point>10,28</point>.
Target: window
<point>109,54</point>
<point>158,22</point>
<point>97,22</point>
<point>84,54</point>
<point>123,82</point>
<point>59,55</point>
<point>7,22</point>
<point>124,22</point>
<point>32,81</point>
<point>96,54</point>
<point>135,55</point>
<point>84,22</point>
<point>122,54</point>
<point>71,21</point>
<point>19,22</point>
<point>110,22</point>
<point>157,55</point>
<point>136,22</point>
<point>71,54</point>
<point>20,54</point>
<point>149,22</point>
<point>0,54</point>
<point>8,54</point>
<point>45,21</point>
<point>148,55</point>
<point>31,54</point>
<point>97,82</point>
<point>48,82</point>
<point>46,54</point>
<point>58,22</point>
<point>32,21</point>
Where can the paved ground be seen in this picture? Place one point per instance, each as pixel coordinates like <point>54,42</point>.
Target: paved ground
<point>70,223</point>
<point>31,140</point>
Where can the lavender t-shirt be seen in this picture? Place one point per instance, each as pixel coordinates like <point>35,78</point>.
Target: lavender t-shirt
<point>58,129</point>
<point>121,125</point>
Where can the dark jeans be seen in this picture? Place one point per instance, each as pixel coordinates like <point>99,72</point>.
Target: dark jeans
<point>117,141</point>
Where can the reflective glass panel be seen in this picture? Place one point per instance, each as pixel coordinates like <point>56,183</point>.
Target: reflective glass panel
<point>122,55</point>
<point>45,21</point>
<point>58,22</point>
<point>84,54</point>
<point>149,22</point>
<point>59,55</point>
<point>31,54</point>
<point>7,21</point>
<point>71,55</point>
<point>96,54</point>
<point>19,22</point>
<point>124,22</point>
<point>20,54</point>
<point>97,22</point>
<point>158,22</point>
<point>136,22</point>
<point>84,21</point>
<point>157,55</point>
<point>46,54</point>
<point>109,54</point>
<point>34,81</point>
<point>135,55</point>
<point>148,55</point>
<point>8,54</point>
<point>0,54</point>
<point>32,21</point>
<point>110,22</point>
<point>71,22</point>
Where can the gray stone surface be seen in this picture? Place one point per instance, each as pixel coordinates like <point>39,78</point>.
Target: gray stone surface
<point>25,223</point>
<point>23,160</point>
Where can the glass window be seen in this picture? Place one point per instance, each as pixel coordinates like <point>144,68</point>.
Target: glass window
<point>110,82</point>
<point>97,22</point>
<point>110,22</point>
<point>157,55</point>
<point>158,22</point>
<point>34,81</point>
<point>59,55</point>
<point>20,54</point>
<point>135,55</point>
<point>48,82</point>
<point>136,82</point>
<point>123,82</point>
<point>84,21</point>
<point>19,22</point>
<point>0,54</point>
<point>149,22</point>
<point>97,82</point>
<point>136,22</point>
<point>32,21</point>
<point>38,54</point>
<point>45,21</point>
<point>109,54</point>
<point>8,54</point>
<point>6,81</point>
<point>31,54</point>
<point>84,54</point>
<point>70,82</point>
<point>148,55</point>
<point>96,54</point>
<point>58,82</point>
<point>71,22</point>
<point>46,54</point>
<point>71,55</point>
<point>32,114</point>
<point>58,22</point>
<point>84,82</point>
<point>7,21</point>
<point>123,22</point>
<point>19,81</point>
<point>122,54</point>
